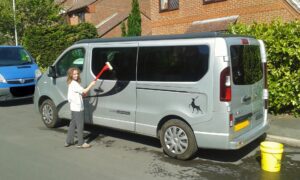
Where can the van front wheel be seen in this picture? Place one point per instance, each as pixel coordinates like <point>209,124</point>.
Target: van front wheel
<point>178,140</point>
<point>49,114</point>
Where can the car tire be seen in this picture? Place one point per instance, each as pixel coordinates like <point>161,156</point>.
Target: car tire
<point>49,114</point>
<point>178,140</point>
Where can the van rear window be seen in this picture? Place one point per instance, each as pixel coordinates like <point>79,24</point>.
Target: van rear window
<point>246,64</point>
<point>173,63</point>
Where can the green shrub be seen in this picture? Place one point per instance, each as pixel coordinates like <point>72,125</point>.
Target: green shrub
<point>283,54</point>
<point>47,43</point>
<point>134,23</point>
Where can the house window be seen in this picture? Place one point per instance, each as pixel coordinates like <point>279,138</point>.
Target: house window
<point>168,5</point>
<point>81,17</point>
<point>211,1</point>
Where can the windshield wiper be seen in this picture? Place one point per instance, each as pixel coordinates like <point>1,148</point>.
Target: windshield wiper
<point>25,63</point>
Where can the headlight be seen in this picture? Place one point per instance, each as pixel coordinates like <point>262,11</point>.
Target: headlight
<point>38,74</point>
<point>2,79</point>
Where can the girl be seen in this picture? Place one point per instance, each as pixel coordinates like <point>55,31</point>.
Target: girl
<point>75,93</point>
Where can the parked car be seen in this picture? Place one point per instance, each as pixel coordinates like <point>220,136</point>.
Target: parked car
<point>18,73</point>
<point>205,90</point>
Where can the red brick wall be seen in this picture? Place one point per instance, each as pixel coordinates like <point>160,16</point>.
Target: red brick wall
<point>73,20</point>
<point>106,8</point>
<point>116,31</point>
<point>178,21</point>
<point>88,17</point>
<point>103,9</point>
<point>146,26</point>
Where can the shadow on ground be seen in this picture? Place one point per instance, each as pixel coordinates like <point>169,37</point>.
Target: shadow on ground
<point>230,155</point>
<point>16,102</point>
<point>96,133</point>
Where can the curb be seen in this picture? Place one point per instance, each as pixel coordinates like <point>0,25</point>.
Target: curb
<point>285,140</point>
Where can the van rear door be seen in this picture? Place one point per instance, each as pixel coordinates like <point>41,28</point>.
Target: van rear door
<point>247,84</point>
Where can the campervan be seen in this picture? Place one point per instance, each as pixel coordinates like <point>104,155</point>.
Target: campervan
<point>201,90</point>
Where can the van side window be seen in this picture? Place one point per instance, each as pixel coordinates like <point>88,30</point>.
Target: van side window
<point>73,58</point>
<point>123,61</point>
<point>173,63</point>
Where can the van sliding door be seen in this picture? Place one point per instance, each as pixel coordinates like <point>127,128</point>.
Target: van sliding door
<point>113,99</point>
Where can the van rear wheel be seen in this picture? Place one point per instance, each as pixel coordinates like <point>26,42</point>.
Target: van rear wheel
<point>49,113</point>
<point>178,140</point>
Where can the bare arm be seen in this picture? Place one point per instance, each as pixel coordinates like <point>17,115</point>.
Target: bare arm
<point>87,89</point>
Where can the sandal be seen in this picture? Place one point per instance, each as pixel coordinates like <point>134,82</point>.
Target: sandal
<point>84,145</point>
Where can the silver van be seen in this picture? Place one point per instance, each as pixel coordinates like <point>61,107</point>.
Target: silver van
<point>205,90</point>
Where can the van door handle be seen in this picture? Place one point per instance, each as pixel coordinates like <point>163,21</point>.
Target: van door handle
<point>98,90</point>
<point>246,99</point>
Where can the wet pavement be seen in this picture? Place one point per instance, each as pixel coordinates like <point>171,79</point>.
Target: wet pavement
<point>211,164</point>
<point>247,168</point>
<point>31,151</point>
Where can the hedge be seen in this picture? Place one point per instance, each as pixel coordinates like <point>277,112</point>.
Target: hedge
<point>47,43</point>
<point>282,41</point>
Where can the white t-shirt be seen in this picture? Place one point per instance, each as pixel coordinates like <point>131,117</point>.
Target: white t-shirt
<point>75,91</point>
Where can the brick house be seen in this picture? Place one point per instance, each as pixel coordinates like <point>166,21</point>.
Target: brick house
<point>106,15</point>
<point>185,16</point>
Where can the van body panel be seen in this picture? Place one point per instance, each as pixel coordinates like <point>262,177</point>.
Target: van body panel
<point>114,110</point>
<point>217,140</point>
<point>151,109</point>
<point>138,103</point>
<point>248,137</point>
<point>213,133</point>
<point>221,61</point>
<point>187,100</point>
<point>220,49</point>
<point>61,91</point>
<point>56,88</point>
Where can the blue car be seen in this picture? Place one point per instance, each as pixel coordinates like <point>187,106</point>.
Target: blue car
<point>18,73</point>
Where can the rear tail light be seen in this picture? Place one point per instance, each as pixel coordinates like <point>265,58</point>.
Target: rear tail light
<point>245,41</point>
<point>225,85</point>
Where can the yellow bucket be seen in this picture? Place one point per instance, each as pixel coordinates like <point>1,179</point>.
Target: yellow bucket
<point>271,154</point>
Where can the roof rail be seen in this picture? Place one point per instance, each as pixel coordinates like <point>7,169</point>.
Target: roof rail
<point>160,37</point>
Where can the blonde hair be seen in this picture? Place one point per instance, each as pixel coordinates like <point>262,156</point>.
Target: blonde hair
<point>70,75</point>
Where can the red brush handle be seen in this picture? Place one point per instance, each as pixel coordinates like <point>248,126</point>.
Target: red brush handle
<point>105,68</point>
<point>101,72</point>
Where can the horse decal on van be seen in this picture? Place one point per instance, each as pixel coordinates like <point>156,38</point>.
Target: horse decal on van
<point>194,106</point>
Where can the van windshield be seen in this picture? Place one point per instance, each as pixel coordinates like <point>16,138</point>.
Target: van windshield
<point>246,64</point>
<point>11,56</point>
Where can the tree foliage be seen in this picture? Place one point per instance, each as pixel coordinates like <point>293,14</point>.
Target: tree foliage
<point>123,29</point>
<point>134,23</point>
<point>47,43</point>
<point>28,13</point>
<point>6,22</point>
<point>283,53</point>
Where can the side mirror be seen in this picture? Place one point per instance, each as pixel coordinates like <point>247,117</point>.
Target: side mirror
<point>52,72</point>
